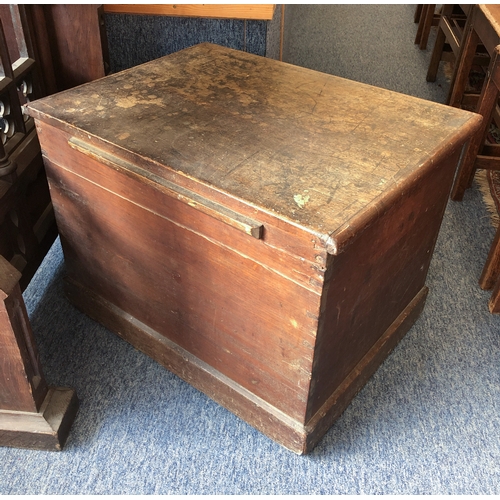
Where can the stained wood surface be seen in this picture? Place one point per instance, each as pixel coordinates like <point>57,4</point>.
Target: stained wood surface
<point>197,281</point>
<point>242,402</point>
<point>77,41</point>
<point>46,429</point>
<point>224,11</point>
<point>32,415</point>
<point>313,149</point>
<point>9,278</point>
<point>262,230</point>
<point>492,13</point>
<point>22,386</point>
<point>377,277</point>
<point>293,252</point>
<point>339,399</point>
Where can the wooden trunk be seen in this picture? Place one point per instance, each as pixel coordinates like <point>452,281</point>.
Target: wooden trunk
<point>262,230</point>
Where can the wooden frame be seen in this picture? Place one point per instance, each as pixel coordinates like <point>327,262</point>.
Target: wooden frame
<point>261,12</point>
<point>32,415</point>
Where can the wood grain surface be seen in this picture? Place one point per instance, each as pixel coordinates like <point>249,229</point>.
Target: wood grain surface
<point>314,149</point>
<point>32,415</point>
<point>225,11</point>
<point>262,230</point>
<point>492,13</point>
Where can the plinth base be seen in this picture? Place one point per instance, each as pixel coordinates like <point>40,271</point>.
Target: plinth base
<point>45,430</point>
<point>290,433</point>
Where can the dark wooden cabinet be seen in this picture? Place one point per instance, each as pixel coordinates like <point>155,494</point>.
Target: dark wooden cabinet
<point>43,49</point>
<point>27,225</point>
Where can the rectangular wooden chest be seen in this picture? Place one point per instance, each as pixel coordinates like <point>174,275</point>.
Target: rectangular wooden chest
<point>262,230</point>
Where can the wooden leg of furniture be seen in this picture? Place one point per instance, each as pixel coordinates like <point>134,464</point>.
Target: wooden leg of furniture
<point>424,25</point>
<point>491,270</point>
<point>486,106</point>
<point>32,415</point>
<point>418,13</point>
<point>462,69</point>
<point>429,18</point>
<point>459,55</point>
<point>421,21</point>
<point>494,303</point>
<point>436,56</point>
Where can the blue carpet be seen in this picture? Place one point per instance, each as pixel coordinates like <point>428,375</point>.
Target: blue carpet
<point>428,421</point>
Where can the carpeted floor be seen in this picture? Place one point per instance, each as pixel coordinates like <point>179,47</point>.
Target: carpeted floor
<point>428,422</point>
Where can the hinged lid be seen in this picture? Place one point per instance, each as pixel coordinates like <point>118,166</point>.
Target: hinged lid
<point>312,148</point>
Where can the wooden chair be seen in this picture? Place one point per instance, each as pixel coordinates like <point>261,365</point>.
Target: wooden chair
<point>483,28</point>
<point>451,29</point>
<point>490,277</point>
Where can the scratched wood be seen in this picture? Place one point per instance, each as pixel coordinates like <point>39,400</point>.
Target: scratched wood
<point>311,147</point>
<point>262,230</point>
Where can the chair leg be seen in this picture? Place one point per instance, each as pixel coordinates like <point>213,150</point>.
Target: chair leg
<point>486,106</point>
<point>424,25</point>
<point>462,69</point>
<point>436,55</point>
<point>494,303</point>
<point>418,13</point>
<point>429,17</point>
<point>491,270</point>
<point>423,15</point>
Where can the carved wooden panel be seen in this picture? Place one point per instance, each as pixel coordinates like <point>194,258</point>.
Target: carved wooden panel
<point>27,226</point>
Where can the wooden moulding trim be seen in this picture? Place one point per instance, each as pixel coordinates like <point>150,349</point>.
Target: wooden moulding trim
<point>46,430</point>
<point>288,228</point>
<point>333,408</point>
<point>262,415</point>
<point>204,205</point>
<point>259,12</point>
<point>276,425</point>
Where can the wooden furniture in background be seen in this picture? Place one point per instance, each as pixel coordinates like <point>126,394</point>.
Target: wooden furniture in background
<point>270,257</point>
<point>261,12</point>
<point>27,230</point>
<point>77,41</point>
<point>449,31</point>
<point>32,67</point>
<point>426,17</point>
<point>43,49</point>
<point>27,224</point>
<point>449,40</point>
<point>483,28</point>
<point>490,277</point>
<point>32,415</point>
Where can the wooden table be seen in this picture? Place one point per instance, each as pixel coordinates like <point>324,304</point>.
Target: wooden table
<point>262,230</point>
